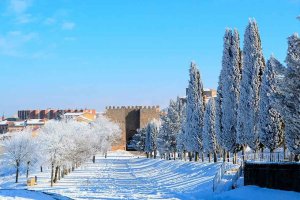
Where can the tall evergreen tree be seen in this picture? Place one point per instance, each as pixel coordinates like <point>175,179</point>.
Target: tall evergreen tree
<point>292,95</point>
<point>195,111</point>
<point>271,122</point>
<point>171,125</point>
<point>138,140</point>
<point>174,125</point>
<point>209,129</point>
<point>219,114</point>
<point>152,130</point>
<point>253,66</point>
<point>163,142</point>
<point>231,65</point>
<point>180,140</point>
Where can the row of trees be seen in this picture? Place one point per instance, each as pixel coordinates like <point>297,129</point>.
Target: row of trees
<point>257,105</point>
<point>63,145</point>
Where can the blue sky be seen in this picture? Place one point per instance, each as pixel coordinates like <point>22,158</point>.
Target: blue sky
<point>94,53</point>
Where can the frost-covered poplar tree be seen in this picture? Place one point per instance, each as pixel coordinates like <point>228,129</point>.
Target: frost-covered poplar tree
<point>163,139</point>
<point>253,66</point>
<point>171,125</point>
<point>292,95</point>
<point>152,130</point>
<point>271,121</point>
<point>195,112</point>
<point>180,140</point>
<point>138,140</point>
<point>219,114</point>
<point>231,76</point>
<point>209,130</point>
<point>174,124</point>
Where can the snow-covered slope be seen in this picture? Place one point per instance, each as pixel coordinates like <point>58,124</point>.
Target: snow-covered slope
<point>134,178</point>
<point>257,193</point>
<point>26,194</point>
<point>125,176</point>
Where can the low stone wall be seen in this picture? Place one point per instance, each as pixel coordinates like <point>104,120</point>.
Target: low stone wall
<point>283,176</point>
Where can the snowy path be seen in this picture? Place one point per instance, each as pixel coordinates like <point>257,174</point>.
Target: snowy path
<point>131,178</point>
<point>121,176</point>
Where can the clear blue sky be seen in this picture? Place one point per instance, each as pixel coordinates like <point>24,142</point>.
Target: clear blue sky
<point>93,53</point>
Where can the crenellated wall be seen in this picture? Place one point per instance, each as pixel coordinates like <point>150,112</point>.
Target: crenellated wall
<point>131,107</point>
<point>131,118</point>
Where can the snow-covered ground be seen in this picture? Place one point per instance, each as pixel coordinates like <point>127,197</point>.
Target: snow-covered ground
<point>124,176</point>
<point>27,194</point>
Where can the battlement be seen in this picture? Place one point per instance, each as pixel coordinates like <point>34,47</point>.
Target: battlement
<point>131,118</point>
<point>131,107</point>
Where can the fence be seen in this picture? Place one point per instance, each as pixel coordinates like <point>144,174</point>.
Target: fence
<point>237,175</point>
<point>268,157</point>
<point>223,168</point>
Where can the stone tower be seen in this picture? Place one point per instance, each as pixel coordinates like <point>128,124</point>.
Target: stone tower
<point>131,118</point>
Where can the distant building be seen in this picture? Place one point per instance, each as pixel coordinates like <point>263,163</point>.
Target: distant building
<point>49,113</point>
<point>81,116</point>
<point>209,93</point>
<point>16,126</point>
<point>35,119</point>
<point>3,127</point>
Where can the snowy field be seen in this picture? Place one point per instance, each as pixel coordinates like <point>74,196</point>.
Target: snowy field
<point>124,176</point>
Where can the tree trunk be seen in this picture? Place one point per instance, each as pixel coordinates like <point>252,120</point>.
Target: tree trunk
<point>174,155</point>
<point>63,172</point>
<point>271,155</point>
<point>196,156</point>
<point>17,171</point>
<point>262,153</point>
<point>296,158</point>
<point>224,155</point>
<point>235,158</point>
<point>215,157</point>
<point>184,155</point>
<point>155,154</point>
<point>243,153</point>
<point>52,171</point>
<point>56,173</point>
<point>202,156</point>
<point>27,170</point>
<point>284,151</point>
<point>228,156</point>
<point>147,153</point>
<point>59,173</point>
<point>209,157</point>
<point>190,156</point>
<point>94,159</point>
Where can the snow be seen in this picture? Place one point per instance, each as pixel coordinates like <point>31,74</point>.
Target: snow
<point>133,178</point>
<point>35,122</point>
<point>124,175</point>
<point>257,193</point>
<point>73,114</point>
<point>26,194</point>
<point>3,122</point>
